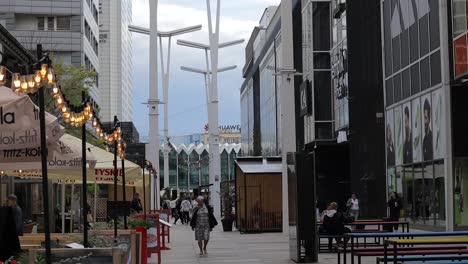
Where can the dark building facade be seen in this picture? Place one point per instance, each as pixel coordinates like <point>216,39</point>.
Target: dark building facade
<point>341,103</point>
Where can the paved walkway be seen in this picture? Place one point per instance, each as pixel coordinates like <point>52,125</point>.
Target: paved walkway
<point>232,247</point>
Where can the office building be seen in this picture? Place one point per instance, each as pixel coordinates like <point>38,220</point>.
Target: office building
<point>115,55</point>
<point>68,28</point>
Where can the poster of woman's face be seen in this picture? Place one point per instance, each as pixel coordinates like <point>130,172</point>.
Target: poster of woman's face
<point>407,132</point>
<point>390,139</point>
<point>428,151</point>
<point>438,132</point>
<point>417,130</point>
<point>398,135</point>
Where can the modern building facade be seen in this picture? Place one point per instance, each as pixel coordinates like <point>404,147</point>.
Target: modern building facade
<point>260,113</point>
<point>115,55</point>
<point>68,28</point>
<point>189,165</point>
<point>425,48</point>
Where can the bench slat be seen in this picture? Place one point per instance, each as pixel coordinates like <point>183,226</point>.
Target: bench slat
<point>411,248</point>
<point>413,252</point>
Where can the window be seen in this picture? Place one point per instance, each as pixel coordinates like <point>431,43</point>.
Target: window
<point>40,23</point>
<point>63,23</point>
<point>54,23</point>
<point>50,23</point>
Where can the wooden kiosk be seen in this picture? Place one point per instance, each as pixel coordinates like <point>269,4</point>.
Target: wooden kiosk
<point>259,194</point>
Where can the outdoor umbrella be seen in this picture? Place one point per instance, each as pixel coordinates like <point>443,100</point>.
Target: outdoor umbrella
<point>62,155</point>
<point>19,122</point>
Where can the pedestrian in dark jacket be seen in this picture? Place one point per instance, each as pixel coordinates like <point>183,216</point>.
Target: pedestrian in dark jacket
<point>395,205</point>
<point>136,204</point>
<point>12,202</point>
<point>334,222</point>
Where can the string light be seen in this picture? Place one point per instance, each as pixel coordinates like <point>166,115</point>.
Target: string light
<point>31,82</point>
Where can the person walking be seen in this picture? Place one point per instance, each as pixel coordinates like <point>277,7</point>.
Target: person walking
<point>136,204</point>
<point>394,205</point>
<point>185,210</point>
<point>353,206</point>
<point>203,222</point>
<point>12,201</point>
<point>178,212</point>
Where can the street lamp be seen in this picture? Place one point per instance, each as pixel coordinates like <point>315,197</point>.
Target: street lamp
<point>212,80</point>
<point>165,69</point>
<point>205,74</point>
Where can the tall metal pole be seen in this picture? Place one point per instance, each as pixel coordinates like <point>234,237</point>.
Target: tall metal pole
<point>45,178</point>
<point>215,162</point>
<point>165,72</point>
<point>115,185</point>
<point>144,191</point>
<point>153,101</point>
<point>85,178</point>
<point>124,192</point>
<point>288,123</point>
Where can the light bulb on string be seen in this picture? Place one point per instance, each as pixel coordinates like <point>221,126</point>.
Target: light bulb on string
<point>16,80</point>
<point>50,75</point>
<point>94,123</point>
<point>38,77</point>
<point>2,75</point>
<point>64,109</point>
<point>31,81</point>
<point>24,84</point>
<point>55,89</point>
<point>43,71</point>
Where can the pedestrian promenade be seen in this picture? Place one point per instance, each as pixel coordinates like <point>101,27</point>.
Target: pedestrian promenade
<point>232,247</point>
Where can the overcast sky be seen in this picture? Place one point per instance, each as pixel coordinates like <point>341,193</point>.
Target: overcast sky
<point>187,103</point>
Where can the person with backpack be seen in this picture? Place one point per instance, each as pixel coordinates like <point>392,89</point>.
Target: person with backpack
<point>203,222</point>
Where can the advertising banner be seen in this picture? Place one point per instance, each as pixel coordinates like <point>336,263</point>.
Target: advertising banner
<point>417,130</point>
<point>407,134</point>
<point>438,124</point>
<point>398,135</point>
<point>428,150</point>
<point>19,122</point>
<point>390,143</point>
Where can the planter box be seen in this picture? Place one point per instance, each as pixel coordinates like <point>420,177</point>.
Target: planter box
<point>98,255</point>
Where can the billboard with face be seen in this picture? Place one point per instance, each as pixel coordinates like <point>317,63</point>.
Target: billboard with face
<point>417,130</point>
<point>428,151</point>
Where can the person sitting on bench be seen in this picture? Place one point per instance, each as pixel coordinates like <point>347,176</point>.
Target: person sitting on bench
<point>334,222</point>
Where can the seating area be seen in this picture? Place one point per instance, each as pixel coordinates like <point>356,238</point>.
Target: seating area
<point>403,247</point>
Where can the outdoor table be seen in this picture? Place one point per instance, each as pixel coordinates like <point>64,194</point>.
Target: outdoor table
<point>379,224</point>
<point>424,241</point>
<point>356,236</point>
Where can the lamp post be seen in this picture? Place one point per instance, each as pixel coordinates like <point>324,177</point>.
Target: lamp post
<point>212,81</point>
<point>165,69</point>
<point>153,101</point>
<point>124,193</point>
<point>114,211</point>
<point>205,75</point>
<point>45,179</point>
<point>84,179</point>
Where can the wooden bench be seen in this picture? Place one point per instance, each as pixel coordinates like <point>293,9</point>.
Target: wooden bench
<point>428,259</point>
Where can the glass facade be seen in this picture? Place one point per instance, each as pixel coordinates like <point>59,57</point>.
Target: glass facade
<point>339,65</point>
<point>247,120</point>
<point>189,167</point>
<point>317,68</point>
<point>268,111</point>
